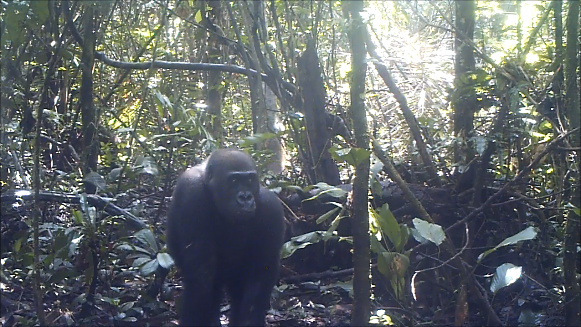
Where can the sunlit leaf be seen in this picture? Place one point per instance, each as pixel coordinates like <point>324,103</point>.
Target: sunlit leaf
<point>431,232</point>
<point>528,234</point>
<point>165,260</point>
<point>300,242</point>
<point>198,16</point>
<point>388,224</point>
<point>505,275</point>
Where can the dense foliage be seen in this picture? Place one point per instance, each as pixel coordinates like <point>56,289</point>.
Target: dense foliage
<point>438,141</point>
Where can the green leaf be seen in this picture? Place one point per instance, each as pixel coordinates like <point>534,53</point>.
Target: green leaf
<point>61,245</point>
<point>376,246</point>
<point>388,224</point>
<point>59,275</point>
<point>505,275</point>
<point>376,187</point>
<point>300,242</point>
<point>353,156</point>
<point>149,268</point>
<point>141,260</point>
<point>126,306</point>
<point>431,232</point>
<point>527,234</point>
<point>145,236</point>
<point>165,260</point>
<point>392,264</point>
<point>405,235</point>
<point>398,286</point>
<point>131,247</point>
<point>78,217</point>
<point>198,17</point>
<point>325,188</point>
<point>333,227</point>
<point>327,215</point>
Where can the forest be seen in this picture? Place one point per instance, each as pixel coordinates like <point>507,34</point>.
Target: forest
<point>423,158</point>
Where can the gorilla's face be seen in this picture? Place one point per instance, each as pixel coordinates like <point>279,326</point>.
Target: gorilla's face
<point>233,182</point>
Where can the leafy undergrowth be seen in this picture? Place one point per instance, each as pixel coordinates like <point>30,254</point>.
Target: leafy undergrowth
<point>521,276</point>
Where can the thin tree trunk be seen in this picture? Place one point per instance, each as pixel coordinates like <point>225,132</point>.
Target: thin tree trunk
<point>464,99</point>
<point>361,242</point>
<point>89,117</point>
<point>572,292</point>
<point>214,95</point>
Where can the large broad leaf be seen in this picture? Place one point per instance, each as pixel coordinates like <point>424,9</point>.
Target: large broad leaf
<point>146,237</point>
<point>376,245</point>
<point>528,234</point>
<point>300,242</point>
<point>141,260</point>
<point>431,232</point>
<point>165,260</point>
<point>505,275</point>
<point>405,235</point>
<point>324,188</point>
<point>388,224</point>
<point>130,247</point>
<point>59,275</point>
<point>392,264</point>
<point>149,268</point>
<point>353,156</point>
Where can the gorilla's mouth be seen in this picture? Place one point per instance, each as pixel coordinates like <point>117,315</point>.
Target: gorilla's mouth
<point>247,211</point>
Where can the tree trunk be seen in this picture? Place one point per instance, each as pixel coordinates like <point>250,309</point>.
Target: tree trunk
<point>572,292</point>
<point>361,242</point>
<point>214,95</point>
<point>89,117</point>
<point>276,165</point>
<point>320,165</point>
<point>464,100</point>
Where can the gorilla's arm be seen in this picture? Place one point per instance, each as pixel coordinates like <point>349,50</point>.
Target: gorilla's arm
<point>189,230</point>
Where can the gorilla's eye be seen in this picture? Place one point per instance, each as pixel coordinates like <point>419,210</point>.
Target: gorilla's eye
<point>233,180</point>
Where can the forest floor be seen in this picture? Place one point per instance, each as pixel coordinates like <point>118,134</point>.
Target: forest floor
<point>315,282</point>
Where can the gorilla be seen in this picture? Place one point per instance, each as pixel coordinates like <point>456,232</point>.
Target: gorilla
<point>225,232</point>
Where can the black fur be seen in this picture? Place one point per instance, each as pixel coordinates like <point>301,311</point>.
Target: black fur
<point>225,234</point>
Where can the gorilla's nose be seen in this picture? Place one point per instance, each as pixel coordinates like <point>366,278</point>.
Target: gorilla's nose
<point>246,200</point>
